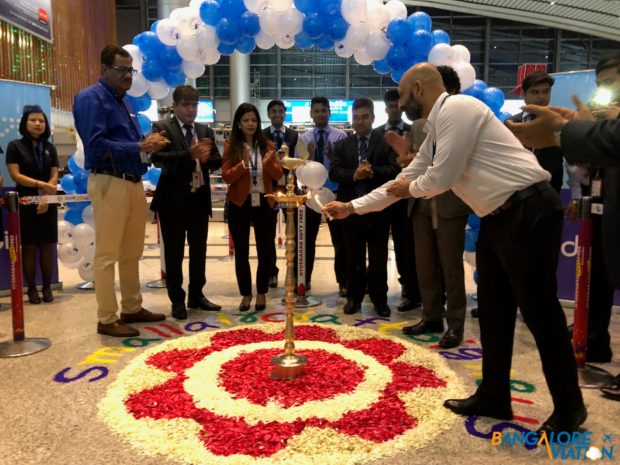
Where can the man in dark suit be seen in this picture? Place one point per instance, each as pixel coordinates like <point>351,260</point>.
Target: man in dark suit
<point>279,134</point>
<point>536,90</point>
<point>360,163</point>
<point>400,222</point>
<point>183,199</point>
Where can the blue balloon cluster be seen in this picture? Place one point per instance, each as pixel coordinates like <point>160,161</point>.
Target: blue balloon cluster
<point>160,61</point>
<point>75,183</point>
<point>492,96</point>
<point>323,24</point>
<point>235,26</point>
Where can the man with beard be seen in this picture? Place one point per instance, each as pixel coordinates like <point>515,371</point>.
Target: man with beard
<point>471,152</point>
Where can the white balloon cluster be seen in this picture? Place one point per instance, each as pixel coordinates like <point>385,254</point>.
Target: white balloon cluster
<point>457,57</point>
<point>313,175</point>
<point>76,245</point>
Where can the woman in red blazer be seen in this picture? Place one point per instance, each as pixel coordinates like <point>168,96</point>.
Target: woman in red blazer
<point>249,166</point>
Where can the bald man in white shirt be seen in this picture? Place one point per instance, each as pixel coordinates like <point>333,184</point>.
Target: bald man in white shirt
<point>469,151</point>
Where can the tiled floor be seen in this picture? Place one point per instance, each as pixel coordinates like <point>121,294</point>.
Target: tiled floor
<point>48,401</point>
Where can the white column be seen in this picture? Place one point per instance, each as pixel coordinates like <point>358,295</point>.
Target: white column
<point>239,80</point>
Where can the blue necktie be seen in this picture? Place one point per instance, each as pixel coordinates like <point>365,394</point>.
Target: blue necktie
<point>320,146</point>
<point>279,139</point>
<point>189,135</point>
<point>362,187</point>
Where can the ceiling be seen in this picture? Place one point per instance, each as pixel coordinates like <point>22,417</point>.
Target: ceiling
<point>599,18</point>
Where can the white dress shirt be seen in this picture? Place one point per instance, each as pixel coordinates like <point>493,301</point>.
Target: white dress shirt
<point>476,156</point>
<point>332,135</point>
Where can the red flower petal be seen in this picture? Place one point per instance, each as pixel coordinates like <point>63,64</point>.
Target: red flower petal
<point>177,361</point>
<point>226,339</point>
<point>407,377</point>
<point>314,333</point>
<point>383,350</point>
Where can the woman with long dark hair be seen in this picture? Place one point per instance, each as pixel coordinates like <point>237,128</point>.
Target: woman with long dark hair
<point>32,162</point>
<point>249,166</point>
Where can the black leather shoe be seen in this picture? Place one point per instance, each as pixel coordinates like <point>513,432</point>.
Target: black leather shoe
<point>407,305</point>
<point>244,306</point>
<point>260,307</point>
<point>273,281</point>
<point>452,338</point>
<point>569,423</point>
<point>383,310</point>
<point>424,327</point>
<point>47,294</point>
<point>33,296</point>
<point>474,312</point>
<point>179,311</point>
<point>351,307</point>
<point>342,290</point>
<point>613,391</point>
<point>480,407</point>
<point>203,304</point>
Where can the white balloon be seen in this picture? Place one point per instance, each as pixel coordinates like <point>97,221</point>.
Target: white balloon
<point>168,31</point>
<point>342,50</point>
<point>194,5</point>
<point>299,172</point>
<point>256,6</point>
<point>88,251</point>
<point>314,175</point>
<point>136,55</point>
<point>324,196</point>
<point>209,56</point>
<point>264,41</point>
<point>285,41</point>
<point>291,21</point>
<point>79,157</point>
<point>466,72</point>
<point>83,234</point>
<point>193,69</point>
<point>88,216</point>
<point>361,56</point>
<point>69,255</point>
<point>281,5</point>
<point>269,20</point>
<point>180,13</point>
<point>377,17</point>
<point>206,37</point>
<point>139,86</point>
<point>356,36</point>
<point>442,54</point>
<point>377,45</point>
<point>87,270</point>
<point>187,46</point>
<point>64,232</point>
<point>374,3</point>
<point>353,11</point>
<point>397,9</point>
<point>159,89</point>
<point>462,52</point>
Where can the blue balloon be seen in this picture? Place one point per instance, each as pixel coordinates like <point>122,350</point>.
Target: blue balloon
<point>145,123</point>
<point>473,221</point>
<point>67,184</point>
<point>398,31</point>
<point>420,20</point>
<point>330,7</point>
<point>476,276</point>
<point>440,37</point>
<point>397,57</point>
<point>303,41</point>
<point>475,91</point>
<point>246,45</point>
<point>494,98</point>
<point>397,75</point>
<point>227,31</point>
<point>307,6</point>
<point>471,236</point>
<point>232,9</point>
<point>504,115</point>
<point>148,43</point>
<point>170,58</point>
<point>153,175</point>
<point>225,49</point>
<point>154,26</point>
<point>381,66</point>
<point>420,43</point>
<point>324,44</point>
<point>337,28</point>
<point>79,206</point>
<point>174,77</point>
<point>480,83</point>
<point>152,70</point>
<point>248,24</point>
<point>73,166</point>
<point>142,103</point>
<point>73,216</point>
<point>80,180</point>
<point>210,12</point>
<point>313,25</point>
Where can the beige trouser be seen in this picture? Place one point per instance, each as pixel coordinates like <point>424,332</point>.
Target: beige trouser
<point>119,208</point>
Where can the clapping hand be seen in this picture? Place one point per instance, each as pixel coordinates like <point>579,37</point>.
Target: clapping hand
<point>246,153</point>
<point>399,143</point>
<point>363,171</point>
<point>154,142</point>
<point>201,150</point>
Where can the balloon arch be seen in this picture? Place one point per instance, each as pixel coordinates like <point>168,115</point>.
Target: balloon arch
<point>374,33</point>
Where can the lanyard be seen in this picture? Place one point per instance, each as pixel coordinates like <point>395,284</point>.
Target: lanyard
<point>254,166</point>
<point>38,152</point>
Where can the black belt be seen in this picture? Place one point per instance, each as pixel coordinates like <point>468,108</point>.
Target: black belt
<point>125,176</point>
<point>522,195</point>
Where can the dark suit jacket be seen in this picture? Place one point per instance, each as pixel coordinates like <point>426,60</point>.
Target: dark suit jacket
<point>174,186</point>
<point>290,138</point>
<point>598,142</point>
<point>549,158</point>
<point>381,129</point>
<point>346,160</point>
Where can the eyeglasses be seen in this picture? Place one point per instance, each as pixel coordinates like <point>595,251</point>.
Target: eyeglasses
<point>125,70</point>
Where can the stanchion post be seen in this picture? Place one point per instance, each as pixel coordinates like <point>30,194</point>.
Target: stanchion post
<point>159,283</point>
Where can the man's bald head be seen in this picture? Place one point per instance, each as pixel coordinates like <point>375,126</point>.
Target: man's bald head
<point>419,89</point>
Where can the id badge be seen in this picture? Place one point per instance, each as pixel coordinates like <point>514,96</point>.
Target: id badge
<point>596,190</point>
<point>195,179</point>
<point>144,157</point>
<point>255,199</point>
